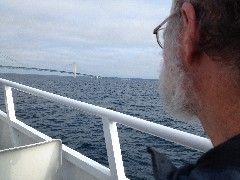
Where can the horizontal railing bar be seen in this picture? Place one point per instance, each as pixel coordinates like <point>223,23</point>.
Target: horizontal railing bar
<point>170,134</point>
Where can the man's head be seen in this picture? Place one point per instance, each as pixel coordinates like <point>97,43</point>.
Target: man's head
<point>204,28</point>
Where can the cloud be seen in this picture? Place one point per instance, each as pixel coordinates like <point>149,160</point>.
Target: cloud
<point>104,37</point>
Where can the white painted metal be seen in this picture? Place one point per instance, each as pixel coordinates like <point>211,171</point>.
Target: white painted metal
<point>113,150</point>
<point>177,136</point>
<point>40,161</point>
<point>9,103</point>
<point>88,165</point>
<point>13,140</point>
<point>74,163</point>
<point>20,126</point>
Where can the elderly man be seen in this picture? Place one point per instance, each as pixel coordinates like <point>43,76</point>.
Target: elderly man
<point>201,77</point>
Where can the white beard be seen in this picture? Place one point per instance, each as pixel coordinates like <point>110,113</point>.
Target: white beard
<point>176,88</point>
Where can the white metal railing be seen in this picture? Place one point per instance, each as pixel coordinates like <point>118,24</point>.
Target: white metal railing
<point>109,119</point>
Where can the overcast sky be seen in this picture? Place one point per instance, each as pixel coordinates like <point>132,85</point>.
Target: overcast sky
<point>104,37</point>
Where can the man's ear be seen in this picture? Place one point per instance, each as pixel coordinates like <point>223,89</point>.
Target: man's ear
<point>189,33</point>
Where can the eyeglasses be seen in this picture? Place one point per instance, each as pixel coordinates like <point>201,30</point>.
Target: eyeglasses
<point>159,30</point>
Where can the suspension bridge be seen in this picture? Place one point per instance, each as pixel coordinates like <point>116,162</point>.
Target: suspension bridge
<point>26,67</point>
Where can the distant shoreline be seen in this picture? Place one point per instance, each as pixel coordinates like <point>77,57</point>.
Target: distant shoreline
<point>60,75</point>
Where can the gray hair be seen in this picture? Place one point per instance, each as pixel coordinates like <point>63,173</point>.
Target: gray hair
<point>219,28</point>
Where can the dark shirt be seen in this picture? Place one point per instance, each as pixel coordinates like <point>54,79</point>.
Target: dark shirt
<point>221,163</point>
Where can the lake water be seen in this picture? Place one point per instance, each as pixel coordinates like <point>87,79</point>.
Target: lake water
<point>83,132</point>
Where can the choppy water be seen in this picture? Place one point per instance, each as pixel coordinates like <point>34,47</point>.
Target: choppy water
<point>83,132</point>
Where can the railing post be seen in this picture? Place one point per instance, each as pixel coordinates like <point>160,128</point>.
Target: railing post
<point>9,103</point>
<point>9,132</point>
<point>113,150</point>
